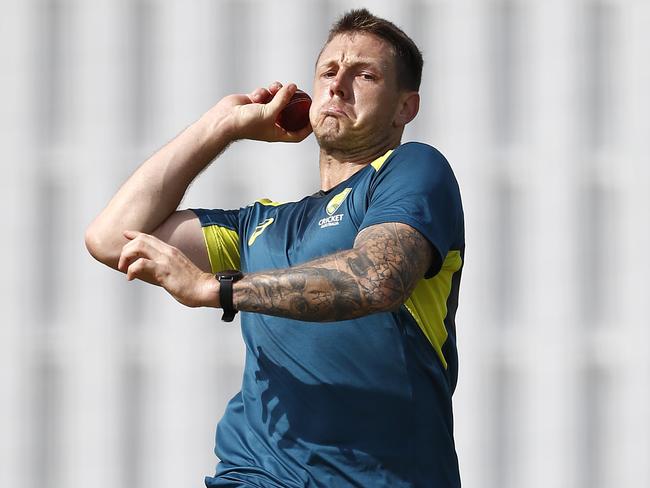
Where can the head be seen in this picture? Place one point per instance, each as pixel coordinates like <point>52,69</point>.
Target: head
<point>366,83</point>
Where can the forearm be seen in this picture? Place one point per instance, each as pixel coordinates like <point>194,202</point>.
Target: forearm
<point>378,274</point>
<point>341,286</point>
<point>337,287</point>
<point>157,187</point>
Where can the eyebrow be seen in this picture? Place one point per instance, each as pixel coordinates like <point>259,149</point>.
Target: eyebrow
<point>356,63</point>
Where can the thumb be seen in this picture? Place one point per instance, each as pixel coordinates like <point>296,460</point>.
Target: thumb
<point>281,99</point>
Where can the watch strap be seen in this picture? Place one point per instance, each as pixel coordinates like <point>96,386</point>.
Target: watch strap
<point>226,280</point>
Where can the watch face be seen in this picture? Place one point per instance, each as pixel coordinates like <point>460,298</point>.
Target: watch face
<point>231,274</point>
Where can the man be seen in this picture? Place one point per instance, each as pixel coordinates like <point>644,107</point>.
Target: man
<point>348,296</point>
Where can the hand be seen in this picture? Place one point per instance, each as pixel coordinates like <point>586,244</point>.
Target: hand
<point>253,116</point>
<point>149,259</point>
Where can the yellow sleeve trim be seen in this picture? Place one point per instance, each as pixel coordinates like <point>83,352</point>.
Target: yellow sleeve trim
<point>428,303</point>
<point>269,203</point>
<point>377,163</point>
<point>223,247</point>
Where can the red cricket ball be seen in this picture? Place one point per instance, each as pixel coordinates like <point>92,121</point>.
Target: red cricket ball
<point>295,115</point>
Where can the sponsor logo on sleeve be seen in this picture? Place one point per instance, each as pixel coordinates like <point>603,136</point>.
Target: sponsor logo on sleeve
<point>261,227</point>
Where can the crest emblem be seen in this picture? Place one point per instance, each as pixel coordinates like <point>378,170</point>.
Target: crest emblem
<point>336,202</point>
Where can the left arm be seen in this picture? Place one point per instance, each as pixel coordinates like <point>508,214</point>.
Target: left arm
<point>378,274</point>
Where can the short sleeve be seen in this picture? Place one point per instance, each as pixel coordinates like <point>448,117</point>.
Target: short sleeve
<point>416,186</point>
<point>221,235</point>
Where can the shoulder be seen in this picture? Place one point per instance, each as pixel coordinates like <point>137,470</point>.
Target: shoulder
<point>416,163</point>
<point>419,149</point>
<point>418,154</point>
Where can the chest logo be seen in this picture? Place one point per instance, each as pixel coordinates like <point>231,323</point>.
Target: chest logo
<point>261,227</point>
<point>336,202</point>
<point>333,205</point>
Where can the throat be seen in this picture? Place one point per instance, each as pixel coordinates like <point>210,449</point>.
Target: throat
<point>335,170</point>
<point>332,174</point>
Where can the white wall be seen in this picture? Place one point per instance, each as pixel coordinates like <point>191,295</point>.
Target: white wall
<point>541,107</point>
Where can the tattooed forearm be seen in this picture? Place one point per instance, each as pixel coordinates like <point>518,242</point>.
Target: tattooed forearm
<point>304,292</point>
<point>378,274</point>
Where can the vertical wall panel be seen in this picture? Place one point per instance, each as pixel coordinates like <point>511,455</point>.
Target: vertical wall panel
<point>551,284</point>
<point>461,73</point>
<point>628,165</point>
<point>17,127</point>
<point>83,161</point>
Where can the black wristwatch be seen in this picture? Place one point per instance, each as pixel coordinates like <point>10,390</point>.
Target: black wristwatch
<point>226,279</point>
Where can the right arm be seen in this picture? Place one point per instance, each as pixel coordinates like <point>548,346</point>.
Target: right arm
<point>148,200</point>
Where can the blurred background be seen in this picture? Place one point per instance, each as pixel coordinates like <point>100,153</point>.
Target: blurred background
<point>541,106</point>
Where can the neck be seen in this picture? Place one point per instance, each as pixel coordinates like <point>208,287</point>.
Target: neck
<point>337,166</point>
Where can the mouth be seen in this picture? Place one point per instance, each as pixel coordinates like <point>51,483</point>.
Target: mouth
<point>334,111</point>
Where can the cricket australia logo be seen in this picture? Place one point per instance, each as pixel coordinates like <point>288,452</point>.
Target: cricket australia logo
<point>334,219</point>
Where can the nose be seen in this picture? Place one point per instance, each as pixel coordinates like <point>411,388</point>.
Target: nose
<point>340,86</point>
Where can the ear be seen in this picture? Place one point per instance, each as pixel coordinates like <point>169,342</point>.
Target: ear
<point>407,109</point>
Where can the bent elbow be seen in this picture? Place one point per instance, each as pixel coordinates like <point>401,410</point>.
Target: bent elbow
<point>99,248</point>
<point>393,298</point>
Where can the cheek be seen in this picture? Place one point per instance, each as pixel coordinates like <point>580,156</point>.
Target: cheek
<point>318,100</point>
<point>381,105</point>
<point>371,108</point>
<point>313,112</point>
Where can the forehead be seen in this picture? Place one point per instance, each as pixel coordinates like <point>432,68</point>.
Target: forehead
<point>357,47</point>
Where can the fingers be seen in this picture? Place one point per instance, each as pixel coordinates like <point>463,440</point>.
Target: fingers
<point>140,245</point>
<point>276,105</point>
<point>146,258</point>
<point>275,87</point>
<point>257,119</point>
<point>131,234</point>
<point>261,95</point>
<point>265,95</point>
<point>143,269</point>
<point>295,136</point>
<point>149,259</point>
<point>281,99</point>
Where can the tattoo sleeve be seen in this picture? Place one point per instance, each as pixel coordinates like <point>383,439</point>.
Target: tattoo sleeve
<point>379,273</point>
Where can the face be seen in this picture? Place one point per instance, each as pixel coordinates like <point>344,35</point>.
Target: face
<point>355,97</point>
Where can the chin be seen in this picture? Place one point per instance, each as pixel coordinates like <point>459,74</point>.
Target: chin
<point>334,142</point>
<point>330,127</point>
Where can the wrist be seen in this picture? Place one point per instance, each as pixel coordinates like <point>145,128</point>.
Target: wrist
<point>219,126</point>
<point>210,291</point>
<point>227,278</point>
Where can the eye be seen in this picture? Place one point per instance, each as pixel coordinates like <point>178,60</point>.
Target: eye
<point>329,74</point>
<point>368,76</point>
